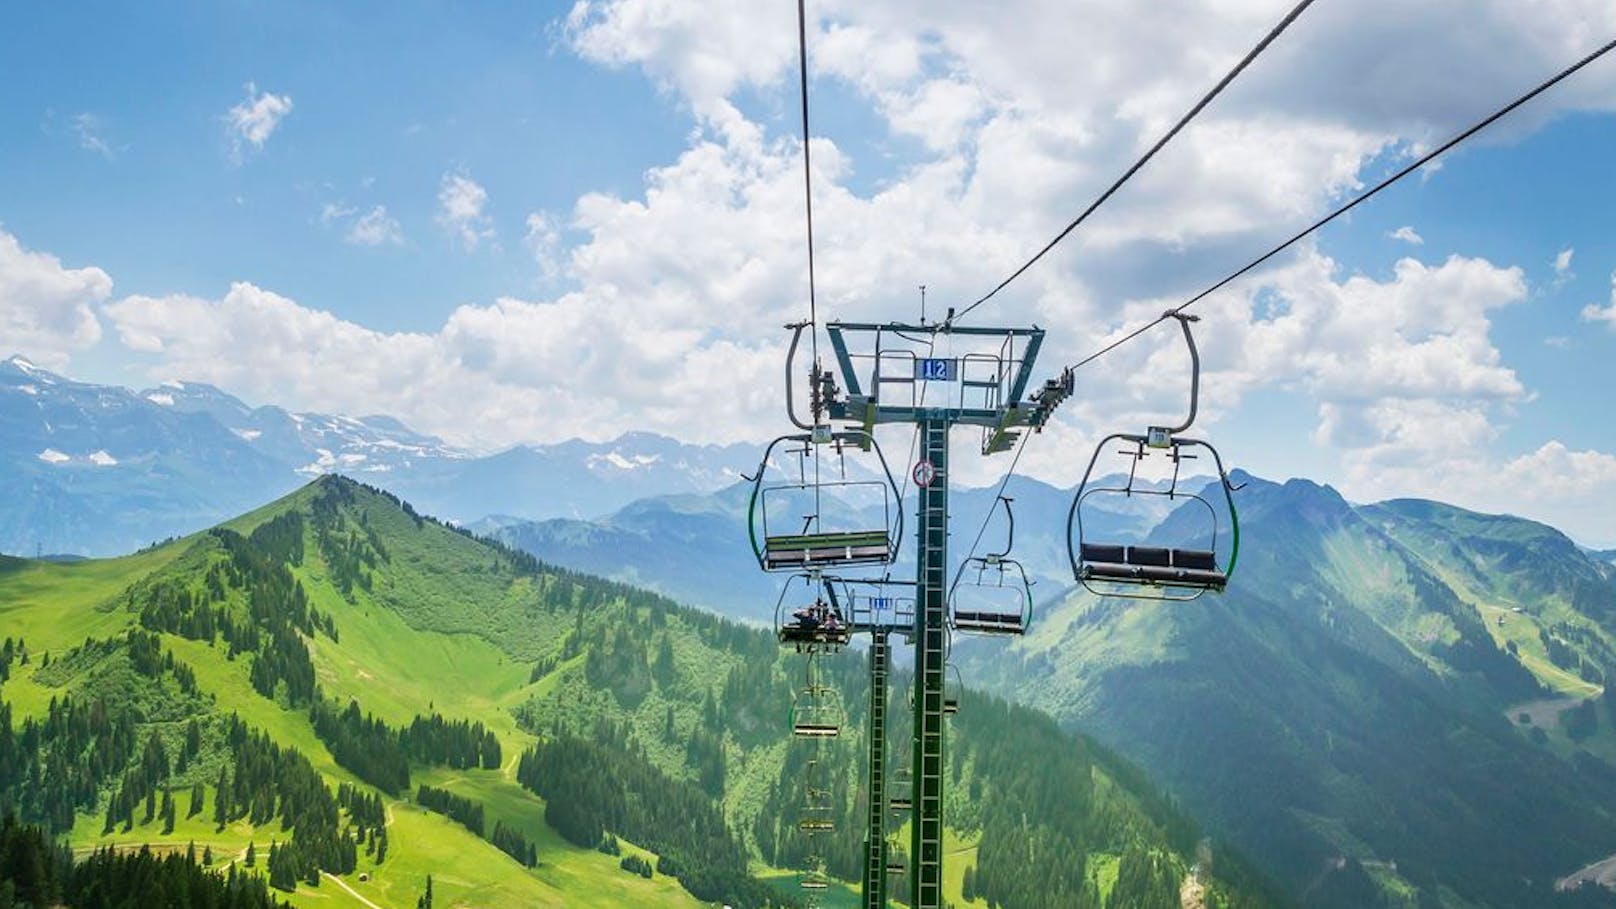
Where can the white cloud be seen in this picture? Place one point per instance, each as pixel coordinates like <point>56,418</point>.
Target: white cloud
<point>47,311</point>
<point>89,130</point>
<point>1593,312</point>
<point>1571,490</point>
<point>460,210</point>
<point>1408,235</point>
<point>1562,262</point>
<point>375,228</point>
<point>491,376</point>
<point>254,119</point>
<point>543,240</point>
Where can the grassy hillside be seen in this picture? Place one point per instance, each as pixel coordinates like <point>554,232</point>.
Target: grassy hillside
<point>191,671</point>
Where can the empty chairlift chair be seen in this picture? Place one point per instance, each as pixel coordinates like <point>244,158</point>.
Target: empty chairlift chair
<point>902,797</point>
<point>818,812</point>
<point>991,594</point>
<point>811,514</point>
<point>1132,569</point>
<point>816,713</point>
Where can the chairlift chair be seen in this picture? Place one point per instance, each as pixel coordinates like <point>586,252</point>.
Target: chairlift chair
<point>902,798</point>
<point>950,694</point>
<point>818,812</point>
<point>809,617</point>
<point>816,711</point>
<point>1110,568</point>
<point>787,520</point>
<point>991,594</point>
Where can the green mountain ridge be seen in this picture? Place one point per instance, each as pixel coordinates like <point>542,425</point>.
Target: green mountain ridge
<point>213,682</point>
<point>1347,712</point>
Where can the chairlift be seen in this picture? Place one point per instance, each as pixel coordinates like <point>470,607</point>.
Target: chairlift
<point>809,616</point>
<point>902,798</point>
<point>816,711</point>
<point>814,876</point>
<point>951,692</point>
<point>991,593</point>
<point>820,517</point>
<point>1110,568</point>
<point>818,812</point>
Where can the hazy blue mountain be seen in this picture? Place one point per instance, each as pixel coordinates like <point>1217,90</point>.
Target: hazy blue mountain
<point>694,547</point>
<point>101,470</point>
<point>94,469</point>
<point>572,479</point>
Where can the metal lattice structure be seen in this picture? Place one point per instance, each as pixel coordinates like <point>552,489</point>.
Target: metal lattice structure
<point>886,378</point>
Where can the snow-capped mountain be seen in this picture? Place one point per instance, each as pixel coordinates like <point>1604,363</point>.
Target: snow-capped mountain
<point>323,443</point>
<point>97,470</point>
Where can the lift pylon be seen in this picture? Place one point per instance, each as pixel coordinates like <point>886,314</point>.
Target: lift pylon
<point>982,381</point>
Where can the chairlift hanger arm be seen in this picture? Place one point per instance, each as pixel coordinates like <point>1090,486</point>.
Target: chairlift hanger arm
<point>791,357</point>
<point>1010,540</point>
<point>1195,367</point>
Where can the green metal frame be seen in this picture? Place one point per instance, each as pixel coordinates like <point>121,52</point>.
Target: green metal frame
<point>932,584</point>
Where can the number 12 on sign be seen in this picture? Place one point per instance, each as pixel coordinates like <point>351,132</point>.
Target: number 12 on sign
<point>935,369</point>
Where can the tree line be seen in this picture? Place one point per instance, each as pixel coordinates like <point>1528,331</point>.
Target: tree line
<point>36,873</point>
<point>604,783</point>
<point>381,755</point>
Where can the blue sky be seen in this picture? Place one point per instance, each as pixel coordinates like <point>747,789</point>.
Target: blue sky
<point>516,222</point>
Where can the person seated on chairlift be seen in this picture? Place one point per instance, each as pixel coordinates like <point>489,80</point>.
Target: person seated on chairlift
<point>814,617</point>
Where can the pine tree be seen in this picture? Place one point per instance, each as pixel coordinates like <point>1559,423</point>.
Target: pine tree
<point>221,799</point>
<point>252,854</point>
<point>425,902</point>
<point>198,797</point>
<point>168,812</point>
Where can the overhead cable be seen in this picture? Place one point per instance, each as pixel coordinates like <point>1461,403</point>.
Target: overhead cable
<point>1354,203</point>
<point>807,175</point>
<point>1183,121</point>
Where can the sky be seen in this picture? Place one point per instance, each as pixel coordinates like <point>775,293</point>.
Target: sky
<point>511,223</point>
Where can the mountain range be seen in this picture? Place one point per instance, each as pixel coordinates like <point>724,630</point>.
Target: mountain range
<point>102,470</point>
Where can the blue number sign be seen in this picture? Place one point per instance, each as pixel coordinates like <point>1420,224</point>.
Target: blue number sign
<point>935,369</point>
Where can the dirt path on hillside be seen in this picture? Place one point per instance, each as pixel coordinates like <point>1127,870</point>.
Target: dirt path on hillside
<point>351,891</point>
<point>1544,712</point>
<point>1602,872</point>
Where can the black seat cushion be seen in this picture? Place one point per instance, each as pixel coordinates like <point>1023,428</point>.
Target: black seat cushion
<point>1102,552</point>
<point>1149,555</point>
<point>1199,559</point>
